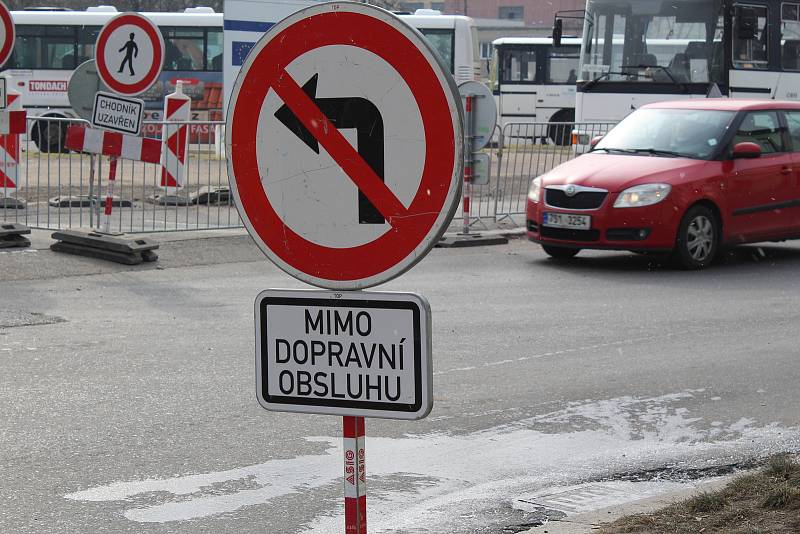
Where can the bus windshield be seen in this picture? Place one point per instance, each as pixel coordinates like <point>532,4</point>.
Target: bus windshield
<point>665,41</point>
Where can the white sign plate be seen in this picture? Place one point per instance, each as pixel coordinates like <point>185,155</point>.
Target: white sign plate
<point>3,97</point>
<point>484,110</point>
<point>354,354</point>
<point>117,113</point>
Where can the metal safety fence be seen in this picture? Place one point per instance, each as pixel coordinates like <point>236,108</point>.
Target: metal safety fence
<point>524,151</point>
<point>60,189</point>
<point>57,188</point>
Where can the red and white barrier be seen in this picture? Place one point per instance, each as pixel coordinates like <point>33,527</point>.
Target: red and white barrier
<point>177,108</point>
<point>355,476</point>
<point>94,141</point>
<point>12,124</point>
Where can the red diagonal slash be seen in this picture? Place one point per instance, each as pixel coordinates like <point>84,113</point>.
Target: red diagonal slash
<point>340,150</point>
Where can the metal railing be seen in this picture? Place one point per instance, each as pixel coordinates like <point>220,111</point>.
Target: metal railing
<point>62,189</point>
<point>525,151</point>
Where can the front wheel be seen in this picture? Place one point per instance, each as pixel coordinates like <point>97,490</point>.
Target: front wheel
<point>560,253</point>
<point>49,136</point>
<point>698,238</point>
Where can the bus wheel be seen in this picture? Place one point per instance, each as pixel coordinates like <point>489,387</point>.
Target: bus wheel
<point>49,136</point>
<point>561,134</point>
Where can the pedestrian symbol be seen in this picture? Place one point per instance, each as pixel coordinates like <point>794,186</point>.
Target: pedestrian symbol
<point>131,51</point>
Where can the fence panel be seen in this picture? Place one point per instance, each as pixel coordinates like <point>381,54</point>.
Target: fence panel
<point>528,150</point>
<point>62,189</point>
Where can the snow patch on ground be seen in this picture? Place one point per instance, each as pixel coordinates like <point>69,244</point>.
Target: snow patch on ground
<point>465,479</point>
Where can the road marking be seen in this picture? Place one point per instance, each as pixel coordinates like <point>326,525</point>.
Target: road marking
<point>623,342</point>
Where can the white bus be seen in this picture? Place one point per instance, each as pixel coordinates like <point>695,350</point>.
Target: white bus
<point>454,37</point>
<point>534,81</point>
<point>50,44</point>
<point>673,49</point>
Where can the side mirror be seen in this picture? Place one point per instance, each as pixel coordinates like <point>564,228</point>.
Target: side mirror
<point>558,31</point>
<point>746,150</point>
<point>596,139</point>
<point>746,23</point>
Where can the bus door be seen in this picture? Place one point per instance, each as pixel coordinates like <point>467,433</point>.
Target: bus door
<point>518,78</point>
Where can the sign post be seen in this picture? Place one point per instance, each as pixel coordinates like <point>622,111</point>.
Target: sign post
<point>480,114</point>
<point>129,53</point>
<point>345,155</point>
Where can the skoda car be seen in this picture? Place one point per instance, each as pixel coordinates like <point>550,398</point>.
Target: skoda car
<point>686,178</point>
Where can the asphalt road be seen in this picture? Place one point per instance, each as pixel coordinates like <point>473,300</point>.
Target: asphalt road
<point>127,394</point>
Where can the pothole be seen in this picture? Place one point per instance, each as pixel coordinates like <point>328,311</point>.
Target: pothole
<point>16,318</point>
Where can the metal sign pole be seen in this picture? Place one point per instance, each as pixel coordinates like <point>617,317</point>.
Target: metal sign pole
<point>468,160</point>
<point>355,476</point>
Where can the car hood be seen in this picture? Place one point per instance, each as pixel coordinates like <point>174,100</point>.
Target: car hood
<point>616,173</point>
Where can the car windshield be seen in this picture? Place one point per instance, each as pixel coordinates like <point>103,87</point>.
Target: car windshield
<point>687,133</point>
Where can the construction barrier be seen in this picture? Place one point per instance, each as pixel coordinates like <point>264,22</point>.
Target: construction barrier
<point>177,111</point>
<point>12,124</point>
<point>62,187</point>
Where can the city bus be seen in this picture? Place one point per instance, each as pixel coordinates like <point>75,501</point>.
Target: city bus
<point>51,43</point>
<point>534,81</point>
<point>454,37</point>
<point>673,49</point>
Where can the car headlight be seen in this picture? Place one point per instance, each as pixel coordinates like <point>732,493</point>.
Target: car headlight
<point>642,195</point>
<point>536,190</point>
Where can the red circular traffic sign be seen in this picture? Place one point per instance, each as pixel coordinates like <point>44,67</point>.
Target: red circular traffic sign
<point>7,34</point>
<point>333,67</point>
<point>129,53</point>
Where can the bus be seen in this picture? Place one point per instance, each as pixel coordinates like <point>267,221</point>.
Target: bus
<point>454,37</point>
<point>51,43</point>
<point>534,81</point>
<point>674,49</point>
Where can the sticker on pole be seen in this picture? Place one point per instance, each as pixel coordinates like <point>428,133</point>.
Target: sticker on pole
<point>118,113</point>
<point>129,54</point>
<point>7,34</point>
<point>356,354</point>
<point>345,145</point>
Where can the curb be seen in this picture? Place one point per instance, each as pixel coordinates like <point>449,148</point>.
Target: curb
<point>592,521</point>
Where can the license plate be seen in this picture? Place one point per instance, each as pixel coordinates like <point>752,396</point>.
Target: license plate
<point>566,220</point>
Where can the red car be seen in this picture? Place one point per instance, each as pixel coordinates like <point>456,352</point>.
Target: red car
<point>685,177</point>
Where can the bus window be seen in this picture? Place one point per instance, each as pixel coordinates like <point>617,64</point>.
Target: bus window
<point>790,36</point>
<point>87,37</point>
<point>517,66</point>
<point>562,65</point>
<point>214,50</point>
<point>44,47</point>
<point>183,49</point>
<point>442,41</point>
<point>750,37</point>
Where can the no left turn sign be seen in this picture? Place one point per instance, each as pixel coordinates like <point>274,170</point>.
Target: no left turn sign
<point>129,54</point>
<point>7,34</point>
<point>345,145</point>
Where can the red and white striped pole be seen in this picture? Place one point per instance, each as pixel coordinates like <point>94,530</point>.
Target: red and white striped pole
<point>112,178</point>
<point>9,147</point>
<point>467,191</point>
<point>177,109</point>
<point>355,476</point>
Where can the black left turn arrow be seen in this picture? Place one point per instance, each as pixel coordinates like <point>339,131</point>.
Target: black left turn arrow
<point>352,112</point>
